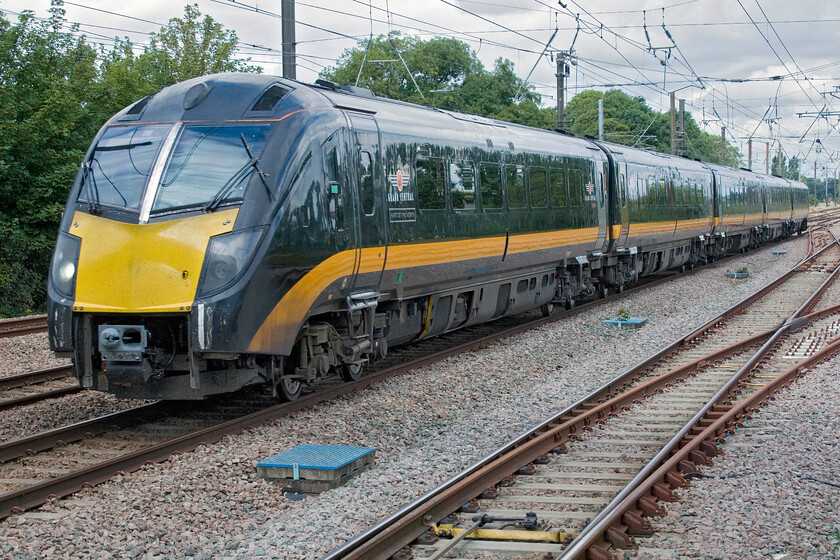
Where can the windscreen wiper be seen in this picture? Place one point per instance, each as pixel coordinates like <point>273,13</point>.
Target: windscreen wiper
<point>255,162</point>
<point>249,166</point>
<point>229,185</point>
<point>89,183</point>
<point>121,146</point>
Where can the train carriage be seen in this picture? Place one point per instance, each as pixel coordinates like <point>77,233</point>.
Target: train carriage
<point>238,229</point>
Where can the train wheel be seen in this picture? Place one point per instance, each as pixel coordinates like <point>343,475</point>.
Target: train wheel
<point>570,304</point>
<point>289,388</point>
<point>603,291</point>
<point>351,372</point>
<point>546,309</point>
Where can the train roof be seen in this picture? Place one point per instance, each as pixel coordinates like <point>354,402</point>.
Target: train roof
<point>233,96</point>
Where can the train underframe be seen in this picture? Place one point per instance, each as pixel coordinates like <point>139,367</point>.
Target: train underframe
<point>151,356</point>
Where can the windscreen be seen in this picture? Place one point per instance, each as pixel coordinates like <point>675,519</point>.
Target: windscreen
<point>211,164</point>
<point>118,169</point>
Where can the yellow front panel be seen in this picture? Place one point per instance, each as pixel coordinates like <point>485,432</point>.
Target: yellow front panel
<point>142,267</point>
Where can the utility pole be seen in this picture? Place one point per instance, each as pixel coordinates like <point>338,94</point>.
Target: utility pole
<point>779,159</point>
<point>681,131</point>
<point>561,73</point>
<point>287,13</point>
<point>723,145</point>
<point>815,182</point>
<point>673,126</point>
<point>767,158</point>
<point>749,154</point>
<point>601,119</point>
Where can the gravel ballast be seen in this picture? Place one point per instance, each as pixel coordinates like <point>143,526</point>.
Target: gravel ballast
<point>426,426</point>
<point>777,488</point>
<point>29,352</point>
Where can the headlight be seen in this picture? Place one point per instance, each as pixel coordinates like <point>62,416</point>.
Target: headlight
<point>64,262</point>
<point>227,256</point>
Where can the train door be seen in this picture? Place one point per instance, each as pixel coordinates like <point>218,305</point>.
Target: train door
<point>621,207</point>
<point>369,185</point>
<point>339,198</point>
<point>599,182</point>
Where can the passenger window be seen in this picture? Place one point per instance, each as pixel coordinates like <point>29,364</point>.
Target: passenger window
<point>557,177</point>
<point>366,183</point>
<point>661,192</point>
<point>575,188</point>
<point>430,183</point>
<point>491,186</point>
<point>462,185</point>
<point>515,176</point>
<point>536,187</point>
<point>623,188</point>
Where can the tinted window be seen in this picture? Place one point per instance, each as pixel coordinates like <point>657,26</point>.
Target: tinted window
<point>366,183</point>
<point>515,176</point>
<point>623,188</point>
<point>430,184</point>
<point>210,161</point>
<point>575,188</point>
<point>120,165</point>
<point>462,185</point>
<point>536,187</point>
<point>558,187</point>
<point>491,186</point>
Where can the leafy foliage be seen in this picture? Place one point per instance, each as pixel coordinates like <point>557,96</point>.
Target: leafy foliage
<point>447,74</point>
<point>628,120</point>
<point>55,92</point>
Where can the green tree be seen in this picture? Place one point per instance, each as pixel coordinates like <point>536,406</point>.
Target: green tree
<point>790,167</point>
<point>45,126</point>
<point>55,92</point>
<point>184,48</point>
<point>629,120</point>
<point>447,73</point>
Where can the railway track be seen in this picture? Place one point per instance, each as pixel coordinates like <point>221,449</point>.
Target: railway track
<point>583,482</point>
<point>23,325</point>
<point>92,451</point>
<point>33,386</point>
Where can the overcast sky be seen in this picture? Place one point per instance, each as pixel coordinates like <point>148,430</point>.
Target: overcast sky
<point>714,43</point>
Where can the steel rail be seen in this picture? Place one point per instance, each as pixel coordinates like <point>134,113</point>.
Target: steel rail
<point>586,544</point>
<point>36,397</point>
<point>33,496</point>
<point>606,518</point>
<point>34,377</point>
<point>61,486</point>
<point>392,534</point>
<point>420,510</point>
<point>30,445</point>
<point>25,325</point>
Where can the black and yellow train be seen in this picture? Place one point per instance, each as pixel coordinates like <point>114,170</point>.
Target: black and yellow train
<point>239,229</point>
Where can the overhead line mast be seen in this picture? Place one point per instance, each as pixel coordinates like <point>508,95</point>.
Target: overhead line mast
<point>287,13</point>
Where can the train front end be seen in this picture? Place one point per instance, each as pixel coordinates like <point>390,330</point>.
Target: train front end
<point>156,250</point>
